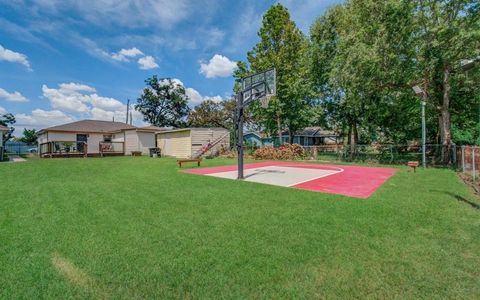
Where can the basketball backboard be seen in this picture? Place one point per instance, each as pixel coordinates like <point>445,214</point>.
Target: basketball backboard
<point>259,86</point>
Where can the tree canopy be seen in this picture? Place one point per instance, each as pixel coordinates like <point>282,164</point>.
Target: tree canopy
<point>30,136</point>
<point>8,120</point>
<point>163,102</point>
<point>356,71</point>
<point>283,46</point>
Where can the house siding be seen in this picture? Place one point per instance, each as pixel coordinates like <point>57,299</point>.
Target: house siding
<point>146,140</point>
<point>61,137</point>
<point>202,136</point>
<point>131,141</point>
<point>93,142</point>
<point>175,143</point>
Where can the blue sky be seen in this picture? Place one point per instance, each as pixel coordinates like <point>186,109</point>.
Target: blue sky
<point>64,60</point>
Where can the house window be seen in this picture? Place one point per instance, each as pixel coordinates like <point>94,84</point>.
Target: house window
<point>107,138</point>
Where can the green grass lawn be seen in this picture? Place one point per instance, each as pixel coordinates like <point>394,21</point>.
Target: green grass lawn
<point>136,228</point>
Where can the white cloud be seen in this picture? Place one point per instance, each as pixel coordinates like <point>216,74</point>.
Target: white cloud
<point>216,99</point>
<point>76,87</point>
<point>147,63</point>
<point>79,98</point>
<point>12,97</point>
<point>105,103</point>
<point>15,57</point>
<point>2,111</point>
<point>40,118</point>
<point>125,13</point>
<point>218,66</point>
<point>126,54</point>
<point>118,115</point>
<point>66,99</point>
<point>194,96</point>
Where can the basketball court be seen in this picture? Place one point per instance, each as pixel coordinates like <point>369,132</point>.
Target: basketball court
<point>352,181</point>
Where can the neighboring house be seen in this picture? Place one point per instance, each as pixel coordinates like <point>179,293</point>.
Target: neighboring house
<point>312,136</point>
<point>91,137</point>
<point>253,138</point>
<point>309,136</point>
<point>3,131</point>
<point>192,142</point>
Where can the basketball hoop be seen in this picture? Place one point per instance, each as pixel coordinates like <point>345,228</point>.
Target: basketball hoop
<point>264,101</point>
<point>257,87</point>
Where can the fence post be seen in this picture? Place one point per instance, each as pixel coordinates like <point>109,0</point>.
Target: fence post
<point>391,154</point>
<point>463,158</point>
<point>454,158</point>
<point>473,163</point>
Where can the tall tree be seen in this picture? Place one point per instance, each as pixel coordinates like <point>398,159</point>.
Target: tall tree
<point>362,67</point>
<point>8,120</point>
<point>448,31</point>
<point>30,136</point>
<point>283,46</point>
<point>163,102</point>
<point>211,113</point>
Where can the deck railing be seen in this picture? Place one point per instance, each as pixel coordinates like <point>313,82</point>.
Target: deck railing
<point>106,148</point>
<point>63,148</point>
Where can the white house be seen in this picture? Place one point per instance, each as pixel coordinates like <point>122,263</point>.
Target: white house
<point>92,138</point>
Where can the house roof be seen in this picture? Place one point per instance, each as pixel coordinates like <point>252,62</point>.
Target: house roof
<point>90,126</point>
<point>257,134</point>
<point>4,128</point>
<point>314,131</point>
<point>191,128</point>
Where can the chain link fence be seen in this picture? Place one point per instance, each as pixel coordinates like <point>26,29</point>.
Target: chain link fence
<point>11,147</point>
<point>469,160</point>
<point>436,155</point>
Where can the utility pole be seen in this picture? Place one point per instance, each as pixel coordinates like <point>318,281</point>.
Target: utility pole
<point>128,108</point>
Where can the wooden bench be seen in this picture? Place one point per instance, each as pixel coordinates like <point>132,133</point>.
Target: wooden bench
<point>136,153</point>
<point>413,165</point>
<point>181,161</point>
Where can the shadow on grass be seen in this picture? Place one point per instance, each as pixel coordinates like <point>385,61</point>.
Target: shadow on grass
<point>460,198</point>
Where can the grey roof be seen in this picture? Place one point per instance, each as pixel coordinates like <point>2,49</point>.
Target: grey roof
<point>4,128</point>
<point>313,132</point>
<point>90,126</point>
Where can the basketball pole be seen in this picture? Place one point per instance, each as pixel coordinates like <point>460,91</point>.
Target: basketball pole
<point>240,134</point>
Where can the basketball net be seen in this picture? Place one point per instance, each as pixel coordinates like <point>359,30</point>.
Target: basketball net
<point>264,101</point>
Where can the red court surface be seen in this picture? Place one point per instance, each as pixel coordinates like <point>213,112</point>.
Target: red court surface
<point>352,181</point>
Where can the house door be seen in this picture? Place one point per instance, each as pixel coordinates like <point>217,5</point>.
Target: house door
<point>81,141</point>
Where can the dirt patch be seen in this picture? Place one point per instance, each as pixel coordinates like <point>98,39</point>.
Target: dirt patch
<point>76,276</point>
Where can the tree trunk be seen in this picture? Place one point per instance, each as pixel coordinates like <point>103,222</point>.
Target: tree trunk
<point>290,136</point>
<point>349,135</point>
<point>352,139</point>
<point>279,128</point>
<point>445,131</point>
<point>355,133</point>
